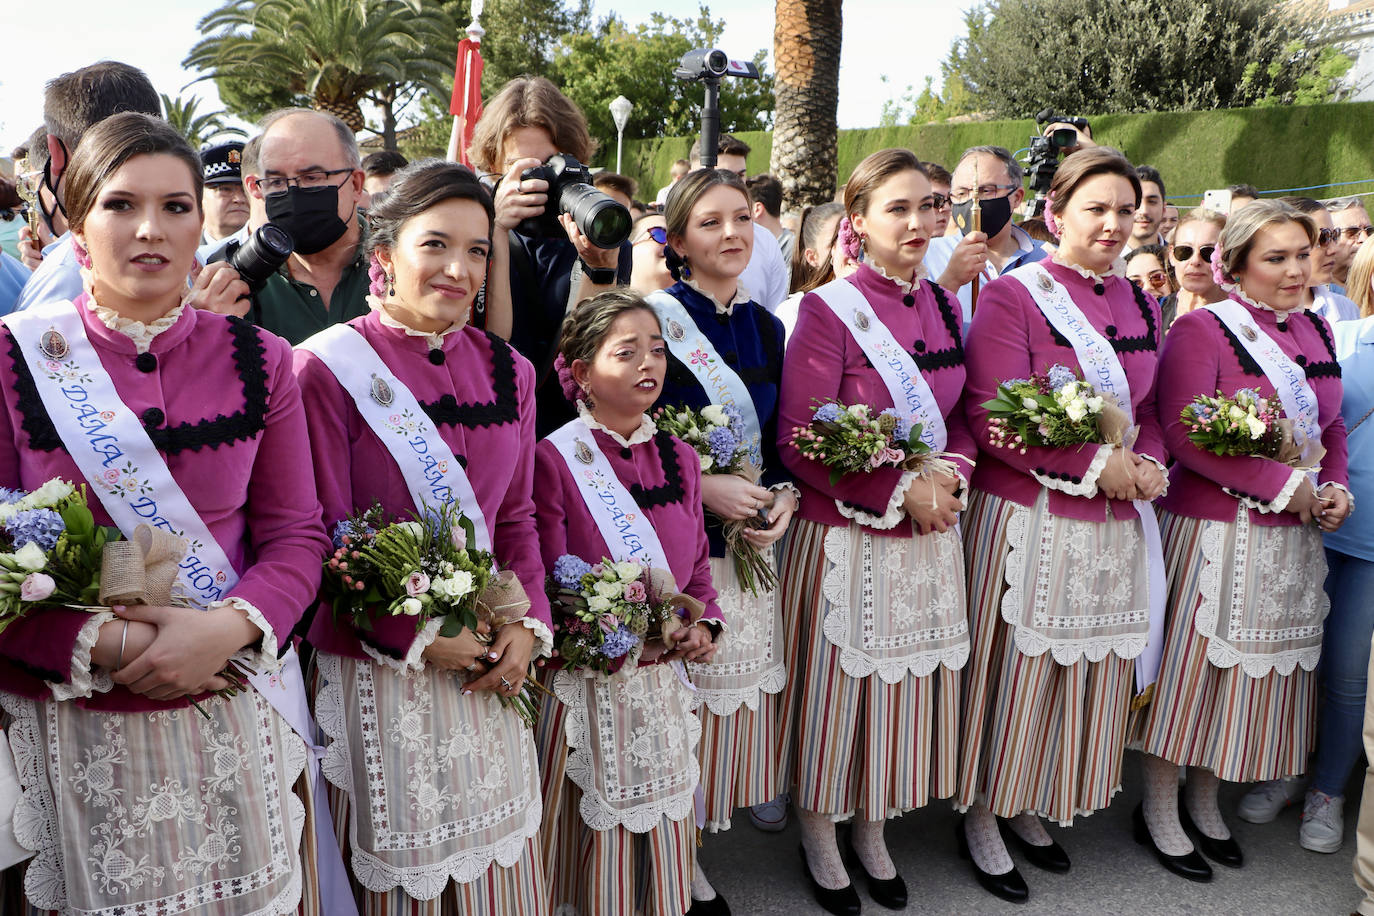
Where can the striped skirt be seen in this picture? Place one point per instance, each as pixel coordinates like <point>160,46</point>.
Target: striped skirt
<point>862,745</point>
<point>739,718</point>
<point>1240,727</point>
<point>605,872</point>
<point>1038,736</point>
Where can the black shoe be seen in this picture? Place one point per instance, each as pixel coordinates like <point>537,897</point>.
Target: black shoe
<point>716,906</point>
<point>843,901</point>
<point>1050,858</point>
<point>888,892</point>
<point>1191,866</point>
<point>1223,852</point>
<point>1010,886</point>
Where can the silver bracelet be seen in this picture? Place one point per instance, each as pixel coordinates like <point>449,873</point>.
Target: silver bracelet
<point>123,638</point>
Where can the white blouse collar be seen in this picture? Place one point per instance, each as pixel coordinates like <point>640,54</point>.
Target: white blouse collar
<point>646,430</point>
<point>1118,268</point>
<point>435,341</point>
<point>728,308</point>
<point>905,286</point>
<point>1280,315</point>
<point>140,333</point>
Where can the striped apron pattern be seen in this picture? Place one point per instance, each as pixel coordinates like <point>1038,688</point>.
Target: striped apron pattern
<point>1038,736</point>
<point>862,746</point>
<point>1242,728</point>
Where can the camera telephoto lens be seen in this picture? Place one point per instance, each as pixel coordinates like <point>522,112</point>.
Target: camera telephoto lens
<point>604,222</point>
<point>1065,137</point>
<point>261,255</point>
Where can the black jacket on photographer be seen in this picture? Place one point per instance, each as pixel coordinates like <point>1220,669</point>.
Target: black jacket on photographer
<point>539,288</point>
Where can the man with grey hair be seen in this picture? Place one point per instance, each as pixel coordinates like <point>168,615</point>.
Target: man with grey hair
<point>305,175</point>
<point>955,260</point>
<point>1351,220</point>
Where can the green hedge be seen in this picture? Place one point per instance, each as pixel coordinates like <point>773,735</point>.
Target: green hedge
<point>1270,148</point>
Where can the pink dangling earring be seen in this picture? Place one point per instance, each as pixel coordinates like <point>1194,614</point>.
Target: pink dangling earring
<point>391,284</point>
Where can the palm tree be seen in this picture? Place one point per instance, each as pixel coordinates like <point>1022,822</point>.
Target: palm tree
<point>198,129</point>
<point>331,54</point>
<point>806,53</point>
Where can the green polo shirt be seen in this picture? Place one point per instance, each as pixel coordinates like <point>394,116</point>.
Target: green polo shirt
<point>292,309</point>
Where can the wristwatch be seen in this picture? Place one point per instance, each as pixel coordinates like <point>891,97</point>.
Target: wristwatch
<point>601,276</point>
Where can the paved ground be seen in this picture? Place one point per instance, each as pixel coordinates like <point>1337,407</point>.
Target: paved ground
<point>761,873</point>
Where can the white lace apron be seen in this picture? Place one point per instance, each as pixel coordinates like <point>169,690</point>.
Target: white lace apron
<point>748,659</point>
<point>1076,588</point>
<point>123,826</point>
<point>896,605</point>
<point>1262,598</point>
<point>632,742</point>
<point>440,785</point>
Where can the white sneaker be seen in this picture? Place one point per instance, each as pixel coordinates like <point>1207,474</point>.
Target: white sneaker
<point>1264,802</point>
<point>1323,829</point>
<point>771,816</point>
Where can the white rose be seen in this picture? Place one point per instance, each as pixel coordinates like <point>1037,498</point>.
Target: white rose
<point>412,607</point>
<point>31,557</point>
<point>857,411</point>
<point>627,571</point>
<point>453,587</point>
<point>414,529</point>
<point>1095,404</point>
<point>598,605</point>
<point>1076,409</point>
<point>1256,427</point>
<point>707,462</point>
<point>1235,413</point>
<point>50,494</point>
<point>1029,403</point>
<point>715,415</point>
<point>609,589</point>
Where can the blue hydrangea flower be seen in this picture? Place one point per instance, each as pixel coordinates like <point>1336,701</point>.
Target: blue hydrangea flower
<point>11,496</point>
<point>736,420</point>
<point>1250,393</point>
<point>1060,375</point>
<point>902,431</point>
<point>723,444</point>
<point>828,413</point>
<point>618,643</point>
<point>42,526</point>
<point>568,571</point>
<point>1013,382</point>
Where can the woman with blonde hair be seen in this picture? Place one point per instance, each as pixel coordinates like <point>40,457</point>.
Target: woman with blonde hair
<point>1190,255</point>
<point>1360,282</point>
<point>1236,696</point>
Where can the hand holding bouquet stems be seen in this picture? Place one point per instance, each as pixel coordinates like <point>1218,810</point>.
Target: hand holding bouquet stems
<point>429,570</point>
<point>717,434</point>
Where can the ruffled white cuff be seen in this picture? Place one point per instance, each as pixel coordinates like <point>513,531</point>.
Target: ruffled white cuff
<point>1087,485</point>
<point>790,487</point>
<point>895,511</point>
<point>1275,505</point>
<point>84,681</point>
<point>264,658</point>
<point>415,656</point>
<point>543,636</point>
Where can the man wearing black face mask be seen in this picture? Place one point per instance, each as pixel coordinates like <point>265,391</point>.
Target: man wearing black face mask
<point>308,180</point>
<point>954,261</point>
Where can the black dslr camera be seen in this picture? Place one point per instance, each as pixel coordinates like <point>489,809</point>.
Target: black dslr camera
<point>259,256</point>
<point>604,222</point>
<point>1045,150</point>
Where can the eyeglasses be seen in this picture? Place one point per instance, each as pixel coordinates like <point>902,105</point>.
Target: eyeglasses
<point>941,201</point>
<point>1353,232</point>
<point>1153,278</point>
<point>985,192</point>
<point>313,180</point>
<point>1327,236</point>
<point>1184,253</point>
<point>657,233</point>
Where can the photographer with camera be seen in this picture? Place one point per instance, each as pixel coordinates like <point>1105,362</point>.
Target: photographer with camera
<point>559,240</point>
<point>955,260</point>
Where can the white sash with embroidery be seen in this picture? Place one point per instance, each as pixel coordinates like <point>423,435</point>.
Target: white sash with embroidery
<point>1287,377</point>
<point>625,529</point>
<point>695,351</point>
<point>1104,371</point>
<point>431,471</point>
<point>908,387</point>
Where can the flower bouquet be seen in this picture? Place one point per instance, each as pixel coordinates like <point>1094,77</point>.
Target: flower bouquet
<point>1246,424</point>
<point>854,440</point>
<point>54,555</point>
<point>604,615</point>
<point>426,570</point>
<point>1056,409</point>
<point>717,434</point>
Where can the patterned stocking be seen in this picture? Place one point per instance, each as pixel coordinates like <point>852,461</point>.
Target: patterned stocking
<point>985,842</point>
<point>822,852</point>
<point>1029,828</point>
<point>872,850</point>
<point>1161,806</point>
<point>701,888</point>
<point>1200,795</point>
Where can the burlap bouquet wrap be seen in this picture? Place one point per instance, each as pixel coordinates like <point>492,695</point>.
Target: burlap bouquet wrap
<point>665,587</point>
<point>502,601</point>
<point>141,570</point>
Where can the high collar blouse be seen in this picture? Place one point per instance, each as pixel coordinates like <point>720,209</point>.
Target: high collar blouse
<point>1010,337</point>
<point>1202,356</point>
<point>220,403</point>
<point>479,393</point>
<point>825,363</point>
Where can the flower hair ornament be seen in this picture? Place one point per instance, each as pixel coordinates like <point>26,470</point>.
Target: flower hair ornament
<point>1219,274</point>
<point>851,243</point>
<point>1051,224</point>
<point>382,283</point>
<point>83,257</point>
<point>571,391</point>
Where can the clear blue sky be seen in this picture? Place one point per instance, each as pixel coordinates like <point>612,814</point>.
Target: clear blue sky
<point>903,39</point>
